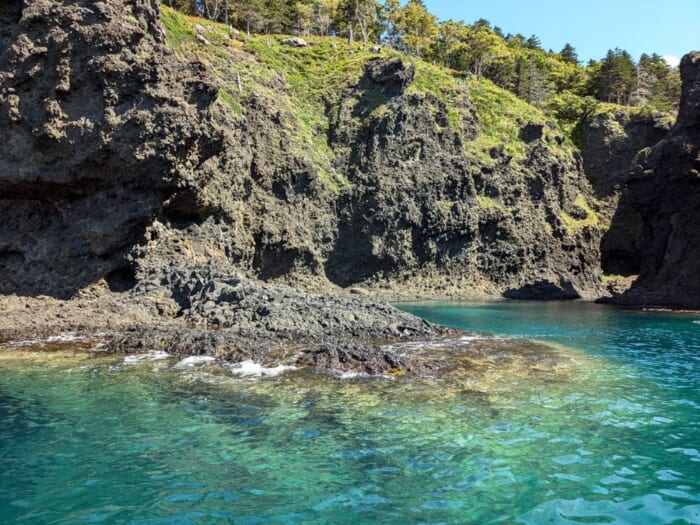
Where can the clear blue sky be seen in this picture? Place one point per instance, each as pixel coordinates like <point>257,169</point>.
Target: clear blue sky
<point>670,27</point>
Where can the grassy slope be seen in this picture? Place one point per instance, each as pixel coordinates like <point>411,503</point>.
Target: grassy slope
<point>316,77</point>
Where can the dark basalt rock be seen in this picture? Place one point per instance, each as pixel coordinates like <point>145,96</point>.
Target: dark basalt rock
<point>346,358</point>
<point>393,74</point>
<point>531,132</point>
<point>665,191</point>
<point>94,134</point>
<point>127,163</point>
<point>543,291</point>
<point>609,148</point>
<point>122,173</point>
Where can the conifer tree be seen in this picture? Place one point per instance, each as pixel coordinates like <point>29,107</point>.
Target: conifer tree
<point>568,54</point>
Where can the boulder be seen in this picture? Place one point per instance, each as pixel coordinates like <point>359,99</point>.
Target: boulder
<point>295,42</point>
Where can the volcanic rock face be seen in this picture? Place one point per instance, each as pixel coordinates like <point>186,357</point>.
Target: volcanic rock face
<point>665,191</point>
<point>118,162</point>
<point>421,209</point>
<point>99,124</point>
<point>611,144</point>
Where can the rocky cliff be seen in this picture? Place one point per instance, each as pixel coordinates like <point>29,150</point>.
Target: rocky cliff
<point>664,190</point>
<point>643,169</point>
<point>159,171</point>
<point>100,125</point>
<point>611,143</point>
<point>131,153</point>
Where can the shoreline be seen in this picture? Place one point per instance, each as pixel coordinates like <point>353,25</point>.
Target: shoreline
<point>349,342</point>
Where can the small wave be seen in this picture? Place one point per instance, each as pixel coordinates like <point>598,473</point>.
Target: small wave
<point>68,337</point>
<point>437,344</point>
<point>144,358</point>
<point>349,375</point>
<point>195,360</point>
<point>696,322</point>
<point>22,342</point>
<point>253,369</point>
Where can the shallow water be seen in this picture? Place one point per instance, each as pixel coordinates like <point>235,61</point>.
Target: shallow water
<point>602,427</point>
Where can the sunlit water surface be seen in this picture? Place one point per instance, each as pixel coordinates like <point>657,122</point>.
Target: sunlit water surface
<point>613,437</point>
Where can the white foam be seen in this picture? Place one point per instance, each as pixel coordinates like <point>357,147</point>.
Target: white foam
<point>253,369</point>
<point>144,358</point>
<point>696,322</point>
<point>22,342</point>
<point>478,337</point>
<point>195,360</point>
<point>349,375</point>
<point>68,337</point>
<point>437,344</point>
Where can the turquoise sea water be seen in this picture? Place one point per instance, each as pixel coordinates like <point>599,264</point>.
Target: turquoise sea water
<point>601,428</point>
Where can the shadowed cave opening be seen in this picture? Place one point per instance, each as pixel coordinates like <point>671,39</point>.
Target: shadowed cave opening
<point>121,279</point>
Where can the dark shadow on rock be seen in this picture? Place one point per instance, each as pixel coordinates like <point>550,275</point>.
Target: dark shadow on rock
<point>621,246</point>
<point>531,132</point>
<point>121,279</point>
<point>10,14</point>
<point>611,144</point>
<point>663,189</point>
<point>543,291</point>
<point>610,147</point>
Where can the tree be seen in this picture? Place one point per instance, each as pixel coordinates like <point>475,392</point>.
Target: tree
<point>248,14</point>
<point>301,15</point>
<point>532,84</point>
<point>533,43</point>
<point>324,16</point>
<point>568,54</point>
<point>655,84</point>
<point>189,7</point>
<point>416,28</point>
<point>481,43</point>
<point>614,79</point>
<point>358,15</point>
<point>449,46</point>
<point>389,15</point>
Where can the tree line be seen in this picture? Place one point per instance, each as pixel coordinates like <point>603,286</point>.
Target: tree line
<point>513,62</point>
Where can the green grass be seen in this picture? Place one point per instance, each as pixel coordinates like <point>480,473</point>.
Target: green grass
<point>178,28</point>
<point>231,102</point>
<point>301,84</point>
<point>612,277</point>
<point>445,205</point>
<point>487,203</point>
<point>498,112</point>
<point>574,225</point>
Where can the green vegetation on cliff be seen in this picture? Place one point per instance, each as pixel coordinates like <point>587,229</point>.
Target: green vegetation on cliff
<point>513,62</point>
<point>304,83</point>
